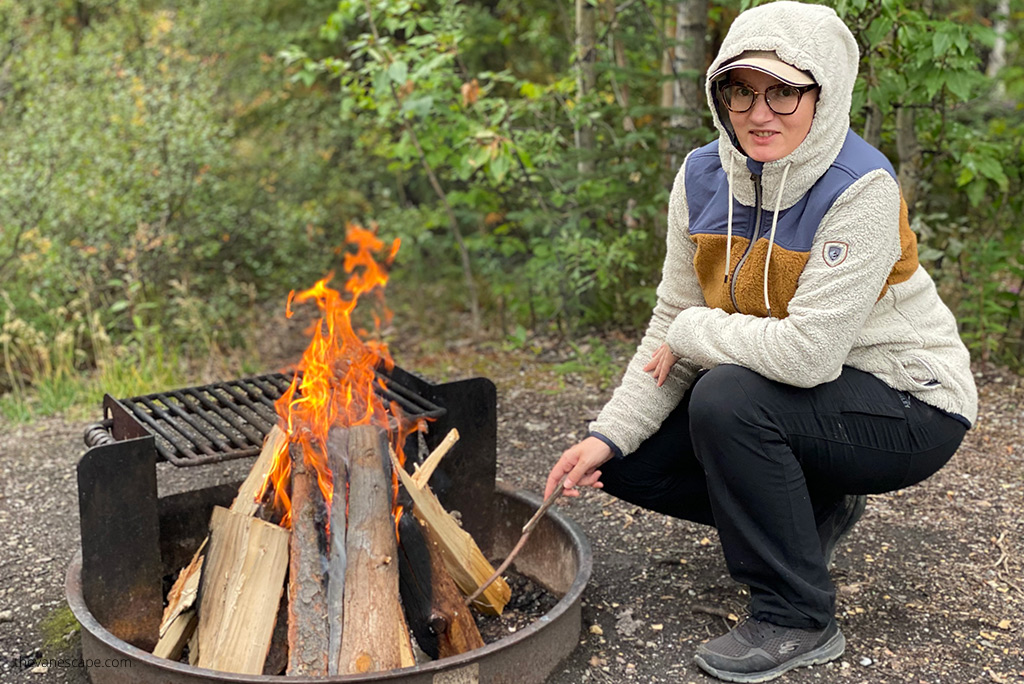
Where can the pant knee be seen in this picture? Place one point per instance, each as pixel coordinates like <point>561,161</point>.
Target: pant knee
<point>728,406</point>
<point>720,395</point>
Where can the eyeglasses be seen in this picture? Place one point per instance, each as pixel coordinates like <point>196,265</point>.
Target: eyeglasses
<point>782,98</point>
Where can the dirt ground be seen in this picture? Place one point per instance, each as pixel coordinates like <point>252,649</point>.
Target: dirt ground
<point>930,583</point>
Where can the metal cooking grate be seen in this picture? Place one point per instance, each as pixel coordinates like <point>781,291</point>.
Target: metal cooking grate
<point>227,420</point>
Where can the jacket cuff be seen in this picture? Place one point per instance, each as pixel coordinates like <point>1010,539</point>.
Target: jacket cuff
<point>616,451</point>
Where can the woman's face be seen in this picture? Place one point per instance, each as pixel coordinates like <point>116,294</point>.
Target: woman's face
<point>764,135</point>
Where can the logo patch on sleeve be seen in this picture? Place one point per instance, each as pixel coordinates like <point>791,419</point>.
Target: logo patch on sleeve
<point>835,253</point>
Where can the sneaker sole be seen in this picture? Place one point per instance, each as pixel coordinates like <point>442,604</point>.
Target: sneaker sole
<point>830,650</point>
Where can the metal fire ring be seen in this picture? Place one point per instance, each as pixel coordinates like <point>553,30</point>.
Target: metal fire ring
<point>558,554</point>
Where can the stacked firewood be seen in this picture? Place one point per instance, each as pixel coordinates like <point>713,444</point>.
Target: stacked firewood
<point>351,596</point>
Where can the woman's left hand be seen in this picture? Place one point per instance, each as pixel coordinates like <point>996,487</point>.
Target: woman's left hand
<point>661,363</point>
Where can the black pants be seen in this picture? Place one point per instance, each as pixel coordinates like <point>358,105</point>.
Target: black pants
<point>763,461</point>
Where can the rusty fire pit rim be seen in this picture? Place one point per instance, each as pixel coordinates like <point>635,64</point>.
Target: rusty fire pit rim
<point>580,544</point>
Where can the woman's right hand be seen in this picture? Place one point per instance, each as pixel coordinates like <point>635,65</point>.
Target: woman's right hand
<point>581,461</point>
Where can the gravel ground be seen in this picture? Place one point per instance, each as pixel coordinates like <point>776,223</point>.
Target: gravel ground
<point>930,583</point>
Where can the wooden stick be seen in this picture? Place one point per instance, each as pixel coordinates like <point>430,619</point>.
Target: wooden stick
<point>423,472</point>
<point>307,591</point>
<point>527,529</point>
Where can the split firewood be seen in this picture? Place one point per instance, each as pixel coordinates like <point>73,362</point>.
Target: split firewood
<point>374,624</point>
<point>240,592</point>
<point>423,472</point>
<point>277,657</point>
<point>307,587</point>
<point>176,628</point>
<point>182,596</point>
<point>246,501</point>
<point>337,457</point>
<point>406,655</point>
<point>462,557</point>
<point>172,640</point>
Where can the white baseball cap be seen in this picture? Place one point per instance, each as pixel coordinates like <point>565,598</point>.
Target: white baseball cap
<point>767,62</point>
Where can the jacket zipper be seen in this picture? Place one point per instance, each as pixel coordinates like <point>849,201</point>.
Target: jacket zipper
<point>753,238</point>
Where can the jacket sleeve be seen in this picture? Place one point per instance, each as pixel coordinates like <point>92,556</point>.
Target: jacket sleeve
<point>638,406</point>
<point>830,305</point>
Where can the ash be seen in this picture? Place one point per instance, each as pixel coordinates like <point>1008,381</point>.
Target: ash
<point>529,602</point>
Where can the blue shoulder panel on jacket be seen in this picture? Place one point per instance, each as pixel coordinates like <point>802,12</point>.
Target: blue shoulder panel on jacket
<point>707,195</point>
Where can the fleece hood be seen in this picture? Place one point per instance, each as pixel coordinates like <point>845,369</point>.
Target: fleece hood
<point>811,38</point>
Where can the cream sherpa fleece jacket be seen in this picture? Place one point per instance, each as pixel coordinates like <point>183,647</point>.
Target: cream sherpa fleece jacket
<point>907,337</point>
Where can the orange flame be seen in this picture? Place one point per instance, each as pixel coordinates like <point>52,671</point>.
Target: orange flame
<point>339,371</point>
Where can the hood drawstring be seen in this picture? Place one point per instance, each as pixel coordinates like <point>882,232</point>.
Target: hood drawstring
<point>771,237</point>
<point>728,230</point>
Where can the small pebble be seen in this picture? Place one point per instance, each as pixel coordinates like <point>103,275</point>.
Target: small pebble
<point>865,661</point>
<point>6,616</point>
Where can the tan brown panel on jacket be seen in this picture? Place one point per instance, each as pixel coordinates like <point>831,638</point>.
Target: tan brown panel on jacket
<point>908,263</point>
<point>785,270</point>
<point>709,262</point>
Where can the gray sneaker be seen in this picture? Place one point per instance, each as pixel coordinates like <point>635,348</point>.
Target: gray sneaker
<point>839,522</point>
<point>757,651</point>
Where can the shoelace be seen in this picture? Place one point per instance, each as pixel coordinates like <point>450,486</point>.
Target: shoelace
<point>756,631</point>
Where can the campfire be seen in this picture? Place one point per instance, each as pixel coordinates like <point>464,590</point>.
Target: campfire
<point>334,559</point>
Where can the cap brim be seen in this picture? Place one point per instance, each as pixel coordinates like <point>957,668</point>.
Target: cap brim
<point>773,67</point>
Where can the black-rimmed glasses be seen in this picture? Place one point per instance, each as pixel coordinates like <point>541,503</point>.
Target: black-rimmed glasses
<point>782,98</point>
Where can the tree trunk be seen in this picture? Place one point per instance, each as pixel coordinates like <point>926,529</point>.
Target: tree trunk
<point>997,58</point>
<point>909,150</point>
<point>873,125</point>
<point>586,79</point>
<point>689,65</point>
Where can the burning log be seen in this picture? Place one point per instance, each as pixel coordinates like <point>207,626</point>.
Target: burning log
<point>414,580</point>
<point>307,590</point>
<point>450,619</point>
<point>337,456</point>
<point>374,624</point>
<point>439,619</point>
<point>462,557</point>
<point>240,592</point>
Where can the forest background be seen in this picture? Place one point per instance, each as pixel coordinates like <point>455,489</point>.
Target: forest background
<point>170,170</point>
